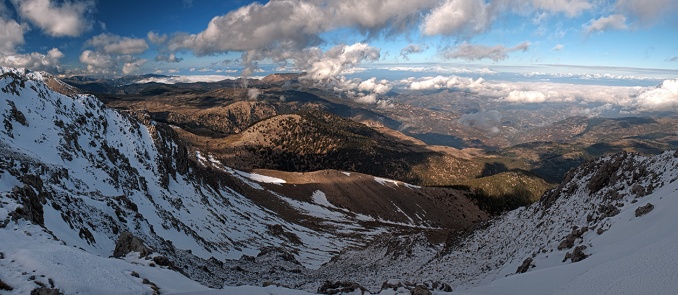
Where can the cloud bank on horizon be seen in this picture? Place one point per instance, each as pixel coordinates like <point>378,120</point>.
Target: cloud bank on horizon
<point>330,39</point>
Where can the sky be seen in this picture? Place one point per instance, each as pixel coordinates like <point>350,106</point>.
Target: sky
<point>136,37</point>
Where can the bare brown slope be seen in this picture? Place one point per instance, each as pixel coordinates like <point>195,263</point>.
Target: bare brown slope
<point>441,210</point>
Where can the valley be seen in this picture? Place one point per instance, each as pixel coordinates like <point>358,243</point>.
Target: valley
<point>227,190</point>
<point>298,147</point>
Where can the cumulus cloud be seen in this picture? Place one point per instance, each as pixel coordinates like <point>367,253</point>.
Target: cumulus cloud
<point>256,26</point>
<point>114,44</point>
<point>366,99</point>
<point>526,96</point>
<point>661,98</point>
<point>675,58</point>
<point>376,16</point>
<point>49,62</point>
<point>373,86</point>
<point>11,36</point>
<point>558,47</point>
<point>477,52</point>
<point>104,64</point>
<point>57,18</point>
<point>370,91</point>
<point>412,49</point>
<point>455,17</point>
<point>113,54</point>
<point>612,22</point>
<point>337,60</point>
<point>132,66</point>
<point>297,24</point>
<point>97,62</point>
<point>442,82</point>
<point>285,31</point>
<point>592,99</point>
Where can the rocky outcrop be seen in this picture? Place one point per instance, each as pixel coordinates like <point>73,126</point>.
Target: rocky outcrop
<point>568,242</point>
<point>402,287</point>
<point>644,210</point>
<point>340,287</point>
<point>527,263</point>
<point>46,291</point>
<point>5,287</point>
<point>576,255</point>
<point>127,242</point>
<point>32,197</point>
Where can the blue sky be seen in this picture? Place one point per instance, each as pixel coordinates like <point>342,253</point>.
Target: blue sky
<point>112,37</point>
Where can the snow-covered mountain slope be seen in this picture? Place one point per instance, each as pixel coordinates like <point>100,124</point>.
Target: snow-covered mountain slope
<point>610,226</point>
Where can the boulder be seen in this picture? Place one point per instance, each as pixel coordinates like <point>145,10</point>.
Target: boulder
<point>644,209</point>
<point>127,242</point>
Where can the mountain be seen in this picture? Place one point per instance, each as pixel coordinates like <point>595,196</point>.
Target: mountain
<point>291,126</point>
<point>608,227</point>
<point>97,200</point>
<point>75,174</point>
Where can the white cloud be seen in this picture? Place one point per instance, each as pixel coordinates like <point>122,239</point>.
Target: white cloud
<point>133,66</point>
<point>594,99</point>
<point>113,54</point>
<point>571,8</point>
<point>337,60</point>
<point>11,36</point>
<point>412,49</point>
<point>558,47</point>
<point>612,22</point>
<point>661,98</point>
<point>526,96</point>
<point>298,24</point>
<point>366,99</point>
<point>156,38</point>
<point>375,16</point>
<point>442,82</point>
<point>97,63</point>
<point>477,52</point>
<point>647,11</point>
<point>253,93</point>
<point>257,26</point>
<point>377,87</point>
<point>114,44</point>
<point>49,62</point>
<point>57,19</point>
<point>458,17</point>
